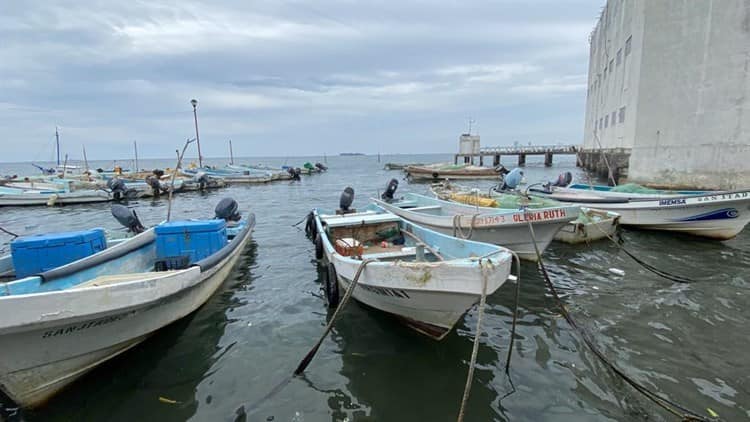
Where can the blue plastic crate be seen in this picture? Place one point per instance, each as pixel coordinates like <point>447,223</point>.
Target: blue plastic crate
<point>196,239</point>
<point>39,253</point>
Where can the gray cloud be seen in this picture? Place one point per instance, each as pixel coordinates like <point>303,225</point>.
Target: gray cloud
<point>390,77</point>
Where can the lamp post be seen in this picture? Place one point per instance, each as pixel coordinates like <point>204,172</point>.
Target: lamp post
<point>194,102</point>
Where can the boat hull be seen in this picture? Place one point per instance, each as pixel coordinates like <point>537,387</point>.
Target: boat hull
<point>507,228</point>
<point>578,232</point>
<point>44,356</point>
<point>67,198</point>
<point>430,299</point>
<point>718,216</point>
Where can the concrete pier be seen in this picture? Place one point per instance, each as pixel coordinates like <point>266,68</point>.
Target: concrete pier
<point>548,151</point>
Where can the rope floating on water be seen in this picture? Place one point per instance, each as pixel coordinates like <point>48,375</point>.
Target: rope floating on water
<point>676,409</point>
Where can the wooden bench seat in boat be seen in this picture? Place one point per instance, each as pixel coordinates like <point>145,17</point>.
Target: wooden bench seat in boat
<point>358,219</point>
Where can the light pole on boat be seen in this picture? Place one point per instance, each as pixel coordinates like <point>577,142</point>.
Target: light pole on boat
<point>194,102</point>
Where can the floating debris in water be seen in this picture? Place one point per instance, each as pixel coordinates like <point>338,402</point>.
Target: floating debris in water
<point>617,271</point>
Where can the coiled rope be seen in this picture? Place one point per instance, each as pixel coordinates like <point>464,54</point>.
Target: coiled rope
<point>676,409</point>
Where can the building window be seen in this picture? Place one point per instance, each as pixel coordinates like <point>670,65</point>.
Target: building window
<point>619,56</point>
<point>606,120</point>
<point>611,65</point>
<point>628,45</point>
<point>613,118</point>
<point>622,114</point>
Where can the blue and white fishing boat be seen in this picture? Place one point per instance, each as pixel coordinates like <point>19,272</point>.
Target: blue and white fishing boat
<point>426,279</point>
<point>57,324</point>
<point>717,215</point>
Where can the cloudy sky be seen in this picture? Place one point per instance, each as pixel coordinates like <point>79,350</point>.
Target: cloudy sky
<point>289,77</point>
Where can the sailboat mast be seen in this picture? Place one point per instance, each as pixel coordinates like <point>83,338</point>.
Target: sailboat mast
<point>57,142</point>
<point>231,153</point>
<point>135,147</point>
<point>85,160</point>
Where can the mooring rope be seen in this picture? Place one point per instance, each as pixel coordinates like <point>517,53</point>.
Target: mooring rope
<point>308,358</point>
<point>8,232</point>
<point>661,273</point>
<point>475,348</point>
<point>676,409</point>
<point>458,231</point>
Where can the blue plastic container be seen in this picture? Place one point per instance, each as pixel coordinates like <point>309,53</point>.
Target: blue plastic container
<point>195,239</point>
<point>39,253</point>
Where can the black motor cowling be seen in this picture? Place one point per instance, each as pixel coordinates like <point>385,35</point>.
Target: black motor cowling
<point>390,189</point>
<point>158,173</point>
<point>347,198</point>
<point>563,179</point>
<point>321,167</point>
<point>128,218</point>
<point>202,179</point>
<point>226,209</point>
<point>294,172</point>
<point>155,185</point>
<point>117,187</point>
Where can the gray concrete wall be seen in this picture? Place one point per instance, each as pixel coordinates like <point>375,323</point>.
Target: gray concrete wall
<point>685,86</point>
<point>695,102</point>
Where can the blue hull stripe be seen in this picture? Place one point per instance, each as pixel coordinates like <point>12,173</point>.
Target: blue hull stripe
<point>721,214</point>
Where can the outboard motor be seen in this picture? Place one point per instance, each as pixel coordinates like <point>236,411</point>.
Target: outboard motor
<point>346,200</point>
<point>155,185</point>
<point>202,179</point>
<point>128,218</point>
<point>563,179</point>
<point>501,169</point>
<point>226,210</point>
<point>321,167</point>
<point>158,173</point>
<point>294,172</point>
<point>117,187</point>
<point>512,179</point>
<point>390,189</point>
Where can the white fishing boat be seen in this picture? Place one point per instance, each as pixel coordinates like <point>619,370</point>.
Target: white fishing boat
<point>426,279</point>
<point>590,225</point>
<point>57,325</point>
<point>504,227</point>
<point>28,197</point>
<point>716,215</point>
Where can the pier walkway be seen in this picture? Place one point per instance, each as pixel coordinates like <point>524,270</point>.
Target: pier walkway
<point>521,151</point>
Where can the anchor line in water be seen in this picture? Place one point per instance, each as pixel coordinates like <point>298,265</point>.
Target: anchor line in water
<point>475,348</point>
<point>676,409</point>
<point>661,273</point>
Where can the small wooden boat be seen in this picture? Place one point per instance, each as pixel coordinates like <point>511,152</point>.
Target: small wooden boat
<point>57,325</point>
<point>233,176</point>
<point>426,279</point>
<point>453,172</point>
<point>716,215</point>
<point>504,227</point>
<point>589,226</point>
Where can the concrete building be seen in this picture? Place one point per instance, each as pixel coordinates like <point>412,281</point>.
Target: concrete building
<point>669,92</point>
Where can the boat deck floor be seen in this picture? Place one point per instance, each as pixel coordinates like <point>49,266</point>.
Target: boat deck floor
<point>105,280</point>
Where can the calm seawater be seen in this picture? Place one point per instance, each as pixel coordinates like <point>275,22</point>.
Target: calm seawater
<point>687,341</point>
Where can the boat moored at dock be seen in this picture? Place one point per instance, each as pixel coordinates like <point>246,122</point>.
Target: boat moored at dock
<point>426,279</point>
